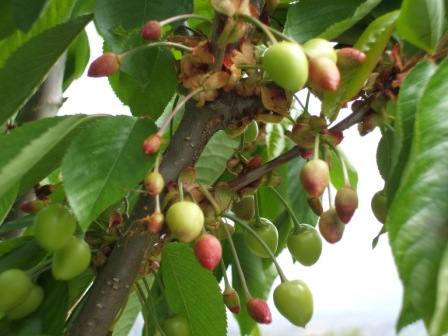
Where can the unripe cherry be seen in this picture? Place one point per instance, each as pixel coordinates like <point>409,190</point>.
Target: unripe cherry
<point>315,204</point>
<point>259,310</point>
<point>245,208</point>
<point>346,202</point>
<point>330,226</point>
<point>324,73</point>
<point>105,65</point>
<point>315,176</point>
<point>320,47</point>
<point>232,300</point>
<point>154,183</point>
<point>152,30</point>
<point>349,58</point>
<point>379,206</point>
<point>152,144</point>
<point>154,223</point>
<point>208,251</point>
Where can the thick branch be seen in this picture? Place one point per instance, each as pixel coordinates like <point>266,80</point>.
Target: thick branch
<point>113,284</point>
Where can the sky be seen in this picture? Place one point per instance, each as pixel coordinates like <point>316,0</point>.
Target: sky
<point>353,286</point>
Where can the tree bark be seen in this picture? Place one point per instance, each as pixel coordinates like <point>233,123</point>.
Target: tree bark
<point>114,283</point>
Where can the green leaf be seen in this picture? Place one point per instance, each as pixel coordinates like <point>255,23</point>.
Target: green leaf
<point>384,155</point>
<point>132,309</point>
<point>275,140</point>
<point>78,54</point>
<point>26,12</point>
<point>212,162</point>
<point>58,12</point>
<point>439,323</point>
<point>54,308</point>
<point>336,175</point>
<point>339,27</point>
<point>204,8</point>
<point>259,277</point>
<point>6,202</point>
<point>422,22</point>
<point>418,217</point>
<point>32,151</point>
<point>193,291</point>
<point>23,253</point>
<point>7,26</point>
<point>132,15</point>
<point>104,163</point>
<point>372,42</point>
<point>146,81</point>
<point>411,90</point>
<point>310,18</point>
<point>22,75</point>
<point>17,224</point>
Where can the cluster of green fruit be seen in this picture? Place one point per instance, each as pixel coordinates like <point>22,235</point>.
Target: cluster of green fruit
<point>19,295</point>
<point>315,62</point>
<point>54,228</point>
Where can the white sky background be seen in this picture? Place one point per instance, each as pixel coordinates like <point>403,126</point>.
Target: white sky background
<point>350,277</point>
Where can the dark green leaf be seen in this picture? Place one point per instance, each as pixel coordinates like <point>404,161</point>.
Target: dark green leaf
<point>193,291</point>
<point>32,151</point>
<point>53,310</point>
<point>418,216</point>
<point>17,224</point>
<point>259,277</point>
<point>6,203</point>
<point>372,42</point>
<point>336,174</point>
<point>339,27</point>
<point>78,55</point>
<point>22,75</point>
<point>421,23</point>
<point>24,253</point>
<point>58,12</point>
<point>146,81</point>
<point>310,18</point>
<point>104,163</point>
<point>7,26</point>
<point>132,15</point>
<point>26,13</point>
<point>410,92</point>
<point>212,162</point>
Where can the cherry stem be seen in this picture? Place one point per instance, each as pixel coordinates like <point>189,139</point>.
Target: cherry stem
<point>210,198</point>
<point>153,45</point>
<point>261,241</point>
<point>237,264</point>
<point>344,167</point>
<point>297,226</point>
<point>39,269</point>
<point>227,286</point>
<point>181,190</point>
<point>316,147</point>
<point>184,16</point>
<point>177,108</point>
<point>258,223</point>
<point>260,25</point>
<point>281,35</point>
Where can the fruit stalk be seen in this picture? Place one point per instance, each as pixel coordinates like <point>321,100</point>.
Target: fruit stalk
<point>237,263</point>
<point>268,250</point>
<point>288,209</point>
